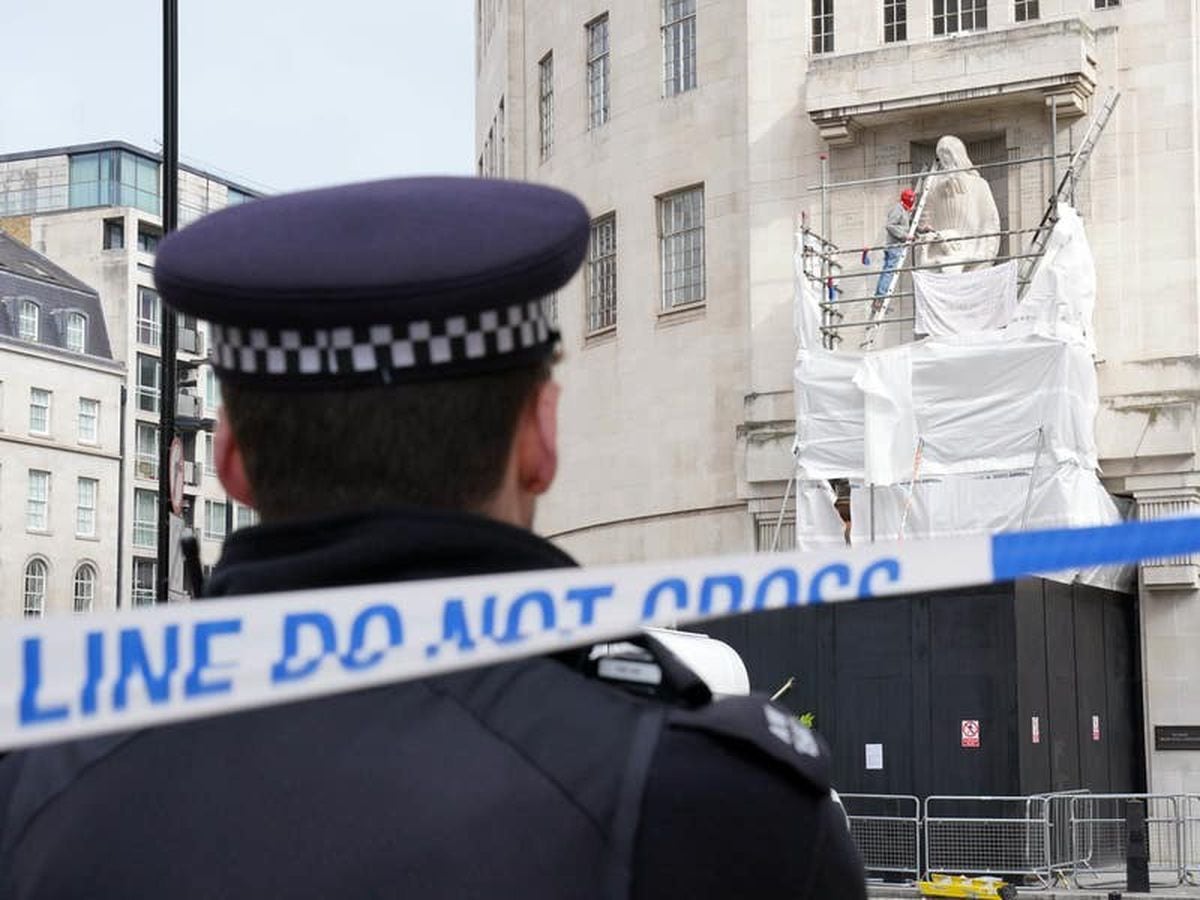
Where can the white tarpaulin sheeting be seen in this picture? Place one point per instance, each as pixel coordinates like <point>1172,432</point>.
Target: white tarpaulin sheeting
<point>964,302</point>
<point>818,524</point>
<point>1063,496</point>
<point>985,407</point>
<point>976,403</point>
<point>1061,296</point>
<point>829,414</point>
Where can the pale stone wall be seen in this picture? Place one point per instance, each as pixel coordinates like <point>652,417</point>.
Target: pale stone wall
<point>650,410</point>
<point>61,453</point>
<point>682,413</point>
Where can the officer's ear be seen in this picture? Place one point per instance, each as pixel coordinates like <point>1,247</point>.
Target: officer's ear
<point>537,440</point>
<point>231,465</point>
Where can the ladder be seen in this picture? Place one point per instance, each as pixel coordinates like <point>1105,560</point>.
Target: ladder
<point>1066,185</point>
<point>880,306</point>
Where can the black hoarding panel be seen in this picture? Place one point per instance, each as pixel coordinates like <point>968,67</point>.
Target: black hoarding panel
<point>1092,690</point>
<point>1126,767</point>
<point>874,677</point>
<point>1033,746</point>
<point>972,673</point>
<point>1062,730</point>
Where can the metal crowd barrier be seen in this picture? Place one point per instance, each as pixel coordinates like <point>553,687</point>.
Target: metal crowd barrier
<point>887,829</point>
<point>1011,837</point>
<point>1191,838</point>
<point>1067,839</point>
<point>1100,839</point>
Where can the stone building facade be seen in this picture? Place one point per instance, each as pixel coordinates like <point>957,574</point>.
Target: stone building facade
<point>95,211</point>
<point>60,426</point>
<point>677,412</point>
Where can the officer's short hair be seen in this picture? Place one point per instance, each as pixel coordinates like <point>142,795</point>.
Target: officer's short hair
<point>440,444</point>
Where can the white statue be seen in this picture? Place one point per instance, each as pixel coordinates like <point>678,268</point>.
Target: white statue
<point>959,207</point>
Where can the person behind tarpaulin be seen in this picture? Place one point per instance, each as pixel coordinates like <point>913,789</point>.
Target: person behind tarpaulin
<point>385,358</point>
<point>895,236</point>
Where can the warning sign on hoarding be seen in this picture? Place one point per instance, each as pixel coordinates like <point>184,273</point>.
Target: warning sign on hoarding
<point>1095,728</point>
<point>970,732</point>
<point>1036,730</point>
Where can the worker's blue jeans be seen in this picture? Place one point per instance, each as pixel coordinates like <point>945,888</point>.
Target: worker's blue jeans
<point>891,260</point>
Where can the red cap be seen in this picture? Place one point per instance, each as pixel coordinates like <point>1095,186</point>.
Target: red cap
<point>907,196</point>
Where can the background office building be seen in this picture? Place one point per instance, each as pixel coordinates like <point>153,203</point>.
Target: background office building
<point>95,211</point>
<point>696,131</point>
<point>60,426</point>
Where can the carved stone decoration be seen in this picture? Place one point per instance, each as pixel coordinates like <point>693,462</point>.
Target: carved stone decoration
<point>960,207</point>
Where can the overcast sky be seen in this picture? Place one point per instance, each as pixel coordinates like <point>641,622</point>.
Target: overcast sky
<point>277,94</point>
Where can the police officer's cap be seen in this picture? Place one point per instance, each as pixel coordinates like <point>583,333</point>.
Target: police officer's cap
<point>378,283</point>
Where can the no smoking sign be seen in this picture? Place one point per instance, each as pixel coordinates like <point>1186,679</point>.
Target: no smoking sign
<point>970,732</point>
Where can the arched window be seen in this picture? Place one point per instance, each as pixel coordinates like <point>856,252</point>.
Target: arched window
<point>27,327</point>
<point>85,587</point>
<point>76,332</point>
<point>35,588</point>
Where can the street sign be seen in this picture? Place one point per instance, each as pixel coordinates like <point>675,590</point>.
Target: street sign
<point>176,466</point>
<point>970,732</point>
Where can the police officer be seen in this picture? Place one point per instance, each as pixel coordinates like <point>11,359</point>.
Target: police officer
<point>384,357</point>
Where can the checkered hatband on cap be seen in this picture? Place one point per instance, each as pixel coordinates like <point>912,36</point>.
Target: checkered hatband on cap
<point>382,354</point>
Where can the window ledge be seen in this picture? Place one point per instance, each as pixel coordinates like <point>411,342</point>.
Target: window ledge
<point>42,531</point>
<point>677,315</point>
<point>600,336</point>
<point>95,538</point>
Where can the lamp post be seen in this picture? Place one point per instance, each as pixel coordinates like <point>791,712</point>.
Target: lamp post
<point>170,206</point>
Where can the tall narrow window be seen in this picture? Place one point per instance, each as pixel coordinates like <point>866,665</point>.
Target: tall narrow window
<point>149,327</point>
<point>37,504</point>
<point>546,106</point>
<point>39,411</point>
<point>822,26</point>
<point>89,420</point>
<point>209,465</point>
<point>145,518</point>
<point>212,391</point>
<point>895,20</point>
<point>1026,10</point>
<point>597,71</point>
<point>85,588</point>
<point>28,321</point>
<point>681,247</point>
<point>953,16</point>
<point>76,332</point>
<point>602,275</point>
<point>147,383</point>
<point>143,582</point>
<point>145,450</point>
<point>679,46</point>
<point>35,589</point>
<point>85,507</point>
<point>214,520</point>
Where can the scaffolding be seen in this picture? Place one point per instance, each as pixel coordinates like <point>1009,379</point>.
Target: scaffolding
<point>988,425</point>
<point>846,307</point>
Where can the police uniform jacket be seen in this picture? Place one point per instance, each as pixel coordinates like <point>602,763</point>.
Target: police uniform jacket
<point>522,780</point>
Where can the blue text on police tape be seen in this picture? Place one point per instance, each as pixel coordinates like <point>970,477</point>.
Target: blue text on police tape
<point>198,659</point>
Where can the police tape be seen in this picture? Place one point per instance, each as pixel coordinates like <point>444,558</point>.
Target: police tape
<point>74,676</point>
